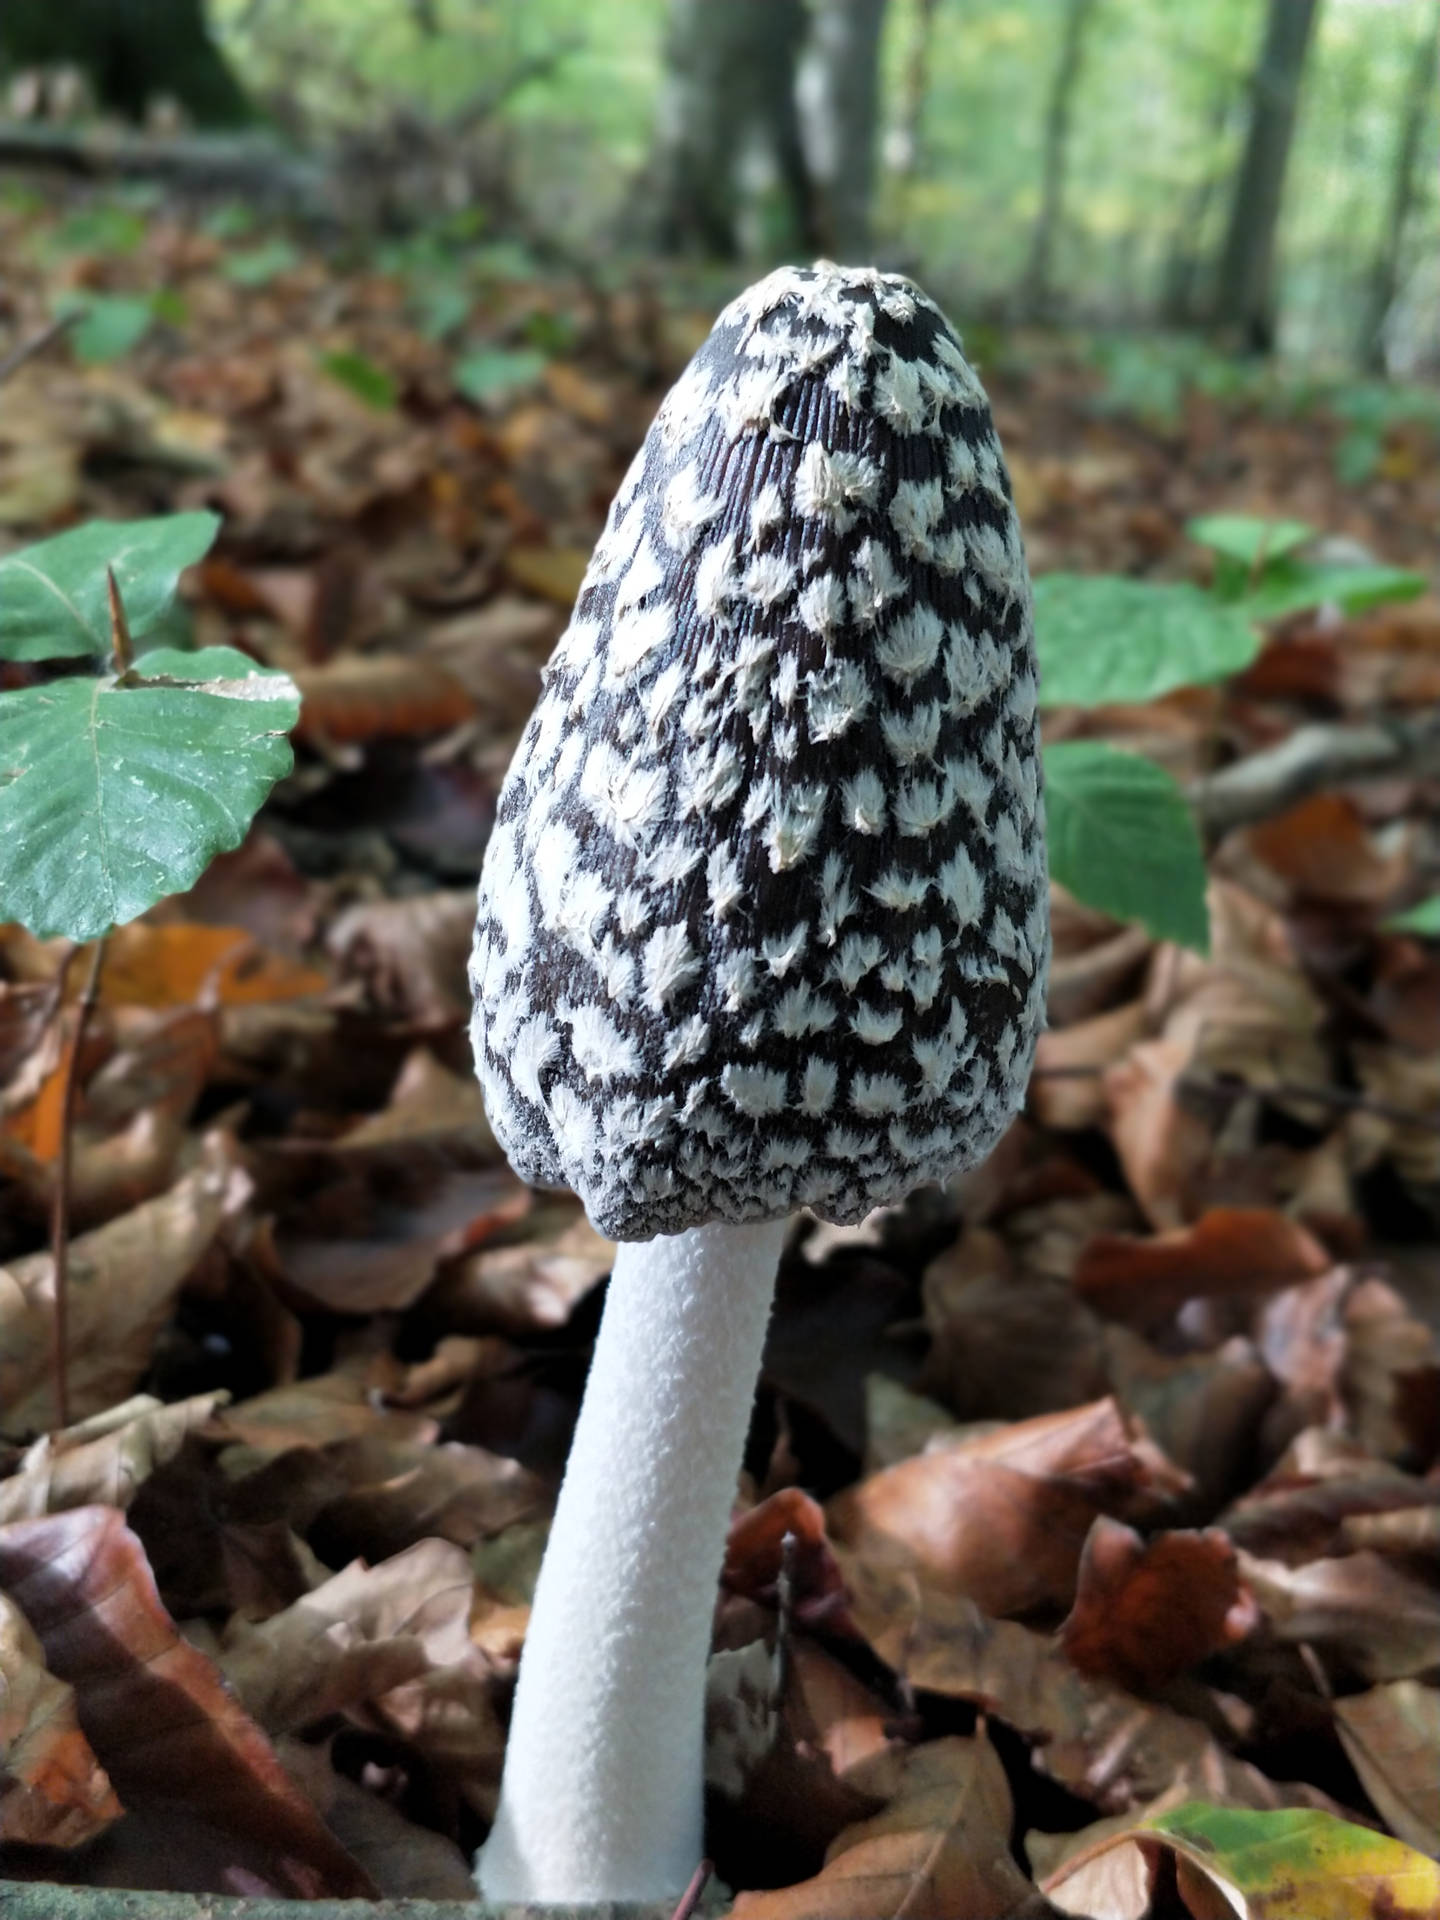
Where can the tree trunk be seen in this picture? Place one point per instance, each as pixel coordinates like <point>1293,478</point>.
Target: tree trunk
<point>1404,191</point>
<point>908,156</point>
<point>1181,297</point>
<point>840,109</point>
<point>131,50</point>
<point>727,107</point>
<point>1245,290</point>
<point>1037,290</point>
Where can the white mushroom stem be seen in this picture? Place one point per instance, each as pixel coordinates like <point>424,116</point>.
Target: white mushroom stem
<point>604,1772</point>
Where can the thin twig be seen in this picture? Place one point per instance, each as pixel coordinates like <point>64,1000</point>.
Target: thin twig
<point>27,349</point>
<point>1343,1099</point>
<point>1311,759</point>
<point>690,1899</point>
<point>119,625</point>
<point>60,1200</point>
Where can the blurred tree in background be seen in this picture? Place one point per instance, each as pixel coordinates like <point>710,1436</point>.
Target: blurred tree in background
<point>131,51</point>
<point>1264,168</point>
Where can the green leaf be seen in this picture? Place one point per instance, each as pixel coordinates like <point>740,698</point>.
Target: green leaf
<point>1295,1864</point>
<point>53,598</point>
<point>494,372</point>
<point>1357,455</point>
<point>1423,919</point>
<point>1289,1864</point>
<point>1123,839</point>
<point>109,326</point>
<point>114,793</point>
<point>1247,538</point>
<point>258,266</point>
<point>443,308</point>
<point>365,380</point>
<point>1104,640</point>
<point>1292,585</point>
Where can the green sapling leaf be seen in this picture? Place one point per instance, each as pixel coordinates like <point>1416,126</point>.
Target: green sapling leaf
<point>1122,838</point>
<point>53,602</point>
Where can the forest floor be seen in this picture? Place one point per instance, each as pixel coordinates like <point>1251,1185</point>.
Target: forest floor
<point>1110,1477</point>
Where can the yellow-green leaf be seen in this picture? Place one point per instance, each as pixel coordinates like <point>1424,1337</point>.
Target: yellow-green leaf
<point>1289,1864</point>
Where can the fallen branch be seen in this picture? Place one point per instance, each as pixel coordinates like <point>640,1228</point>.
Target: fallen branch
<point>237,166</point>
<point>1311,759</point>
<point>27,349</point>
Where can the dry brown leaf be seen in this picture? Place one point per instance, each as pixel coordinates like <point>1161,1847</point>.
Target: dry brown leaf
<point>554,573</point>
<point>1392,1735</point>
<point>123,1281</point>
<point>1362,1610</point>
<point>786,1533</point>
<point>1146,1610</point>
<point>406,1861</point>
<point>1085,982</point>
<point>1323,850</point>
<point>535,1283</point>
<point>378,696</point>
<point>428,1107</point>
<point>53,1791</point>
<point>1067,1089</point>
<point>156,1711</point>
<point>411,955</point>
<point>183,964</point>
<point>397,1494</point>
<point>1298,1512</point>
<point>1001,1518</point>
<point>1229,1250</point>
<point>941,1848</point>
<point>350,1641</point>
<point>1163,1147</point>
<point>1102,1743</point>
<point>1003,1346</point>
<point>325,1408</point>
<point>1204,1410</point>
<point>81,1466</point>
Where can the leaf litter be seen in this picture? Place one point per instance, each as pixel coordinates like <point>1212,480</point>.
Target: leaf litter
<point>1104,1483</point>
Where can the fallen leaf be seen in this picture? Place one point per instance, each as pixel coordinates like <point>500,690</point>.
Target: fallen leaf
<point>1392,1735</point>
<point>82,1467</point>
<point>1323,850</point>
<point>1361,1609</point>
<point>350,1641</point>
<point>156,1711</point>
<point>1228,1251</point>
<point>1146,1610</point>
<point>378,696</point>
<point>1067,1089</point>
<point>184,964</point>
<point>1162,1145</point>
<point>405,1861</point>
<point>1281,1865</point>
<point>1104,1744</point>
<point>411,955</point>
<point>123,1280</point>
<point>53,1791</point>
<point>785,1534</point>
<point>1004,1345</point>
<point>1001,1518</point>
<point>535,1283</point>
<point>1204,1410</point>
<point>941,1848</point>
<point>555,573</point>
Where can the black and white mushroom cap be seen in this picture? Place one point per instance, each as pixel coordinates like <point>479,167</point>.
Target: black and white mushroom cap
<point>764,921</point>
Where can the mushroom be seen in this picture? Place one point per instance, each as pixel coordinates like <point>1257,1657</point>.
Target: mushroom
<point>763,926</point>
